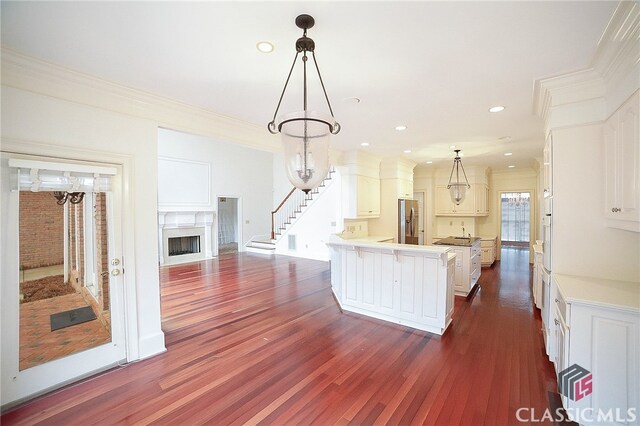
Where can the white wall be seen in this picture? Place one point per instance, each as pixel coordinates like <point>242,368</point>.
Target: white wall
<point>582,243</point>
<point>317,222</point>
<point>235,171</point>
<point>37,124</point>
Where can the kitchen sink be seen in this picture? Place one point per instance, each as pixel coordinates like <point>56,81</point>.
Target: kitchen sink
<point>461,238</point>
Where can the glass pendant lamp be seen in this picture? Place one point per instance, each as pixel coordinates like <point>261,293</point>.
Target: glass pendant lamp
<point>305,134</point>
<point>457,189</point>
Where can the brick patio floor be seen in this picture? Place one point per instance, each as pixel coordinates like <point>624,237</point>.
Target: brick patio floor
<point>38,344</point>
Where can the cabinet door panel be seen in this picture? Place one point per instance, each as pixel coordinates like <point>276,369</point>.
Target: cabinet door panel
<point>628,165</point>
<point>408,285</point>
<point>387,282</point>
<point>429,290</point>
<point>610,167</point>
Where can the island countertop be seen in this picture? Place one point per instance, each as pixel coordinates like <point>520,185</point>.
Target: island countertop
<point>428,251</point>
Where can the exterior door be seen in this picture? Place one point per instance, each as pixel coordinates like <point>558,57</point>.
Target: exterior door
<point>62,319</point>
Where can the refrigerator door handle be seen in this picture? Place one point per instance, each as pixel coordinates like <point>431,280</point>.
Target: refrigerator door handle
<point>411,224</point>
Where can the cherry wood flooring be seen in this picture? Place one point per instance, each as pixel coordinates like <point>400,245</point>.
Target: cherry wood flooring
<point>258,340</point>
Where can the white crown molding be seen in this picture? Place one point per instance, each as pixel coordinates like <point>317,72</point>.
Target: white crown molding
<point>33,75</point>
<point>618,48</point>
<point>581,97</point>
<point>558,98</point>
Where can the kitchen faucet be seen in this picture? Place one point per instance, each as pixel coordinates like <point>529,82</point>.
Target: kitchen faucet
<point>463,231</point>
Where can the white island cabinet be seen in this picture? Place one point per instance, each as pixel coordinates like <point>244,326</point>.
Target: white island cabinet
<point>406,284</point>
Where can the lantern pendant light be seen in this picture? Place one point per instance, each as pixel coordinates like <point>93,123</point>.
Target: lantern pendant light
<point>457,189</point>
<point>305,134</point>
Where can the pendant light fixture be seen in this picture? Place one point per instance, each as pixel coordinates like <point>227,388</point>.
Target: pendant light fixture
<point>305,134</point>
<point>457,189</point>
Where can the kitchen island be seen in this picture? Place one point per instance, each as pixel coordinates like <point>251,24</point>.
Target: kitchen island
<point>468,263</point>
<point>405,284</point>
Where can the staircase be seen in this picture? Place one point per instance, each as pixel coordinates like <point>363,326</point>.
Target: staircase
<point>287,212</point>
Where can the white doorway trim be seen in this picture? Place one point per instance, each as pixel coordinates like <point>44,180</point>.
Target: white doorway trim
<point>239,221</point>
<point>25,149</point>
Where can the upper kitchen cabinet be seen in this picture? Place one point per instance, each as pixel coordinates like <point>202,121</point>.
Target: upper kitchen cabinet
<point>476,201</point>
<point>446,207</point>
<point>547,167</point>
<point>360,185</point>
<point>622,166</point>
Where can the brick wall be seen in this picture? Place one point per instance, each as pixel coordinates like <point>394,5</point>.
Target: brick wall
<point>102,249</point>
<point>41,230</point>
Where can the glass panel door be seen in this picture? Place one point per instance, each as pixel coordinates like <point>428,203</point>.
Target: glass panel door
<point>62,292</point>
<point>515,220</point>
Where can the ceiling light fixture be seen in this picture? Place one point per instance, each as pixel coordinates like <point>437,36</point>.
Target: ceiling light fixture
<point>457,189</point>
<point>452,147</point>
<point>305,134</point>
<point>429,162</point>
<point>498,108</point>
<point>508,153</point>
<point>401,128</point>
<point>265,46</point>
<point>511,167</point>
<point>364,144</point>
<point>407,151</point>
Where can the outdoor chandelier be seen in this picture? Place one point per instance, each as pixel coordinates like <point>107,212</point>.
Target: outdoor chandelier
<point>305,134</point>
<point>457,189</point>
<point>64,196</point>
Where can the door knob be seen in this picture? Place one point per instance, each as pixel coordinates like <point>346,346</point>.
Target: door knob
<point>115,272</point>
<point>115,262</point>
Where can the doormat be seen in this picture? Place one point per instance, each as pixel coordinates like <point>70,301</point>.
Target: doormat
<point>72,317</point>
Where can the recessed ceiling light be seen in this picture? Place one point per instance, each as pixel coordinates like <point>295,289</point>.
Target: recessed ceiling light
<point>511,167</point>
<point>429,162</point>
<point>452,147</point>
<point>265,46</point>
<point>504,138</point>
<point>401,128</point>
<point>352,100</point>
<point>364,144</point>
<point>407,151</point>
<point>498,108</point>
<point>508,153</point>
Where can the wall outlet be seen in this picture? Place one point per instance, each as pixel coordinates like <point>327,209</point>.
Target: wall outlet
<point>333,224</point>
<point>450,223</point>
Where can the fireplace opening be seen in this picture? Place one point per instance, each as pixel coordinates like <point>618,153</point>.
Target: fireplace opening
<point>184,245</point>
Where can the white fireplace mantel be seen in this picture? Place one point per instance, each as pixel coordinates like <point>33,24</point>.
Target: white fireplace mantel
<point>201,222</point>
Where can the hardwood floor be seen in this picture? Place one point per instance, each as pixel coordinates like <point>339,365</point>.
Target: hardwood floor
<point>257,340</point>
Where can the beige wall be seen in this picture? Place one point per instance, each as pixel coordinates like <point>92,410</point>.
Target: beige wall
<point>509,181</point>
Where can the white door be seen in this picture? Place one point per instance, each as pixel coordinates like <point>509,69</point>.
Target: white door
<point>422,216</point>
<point>36,358</point>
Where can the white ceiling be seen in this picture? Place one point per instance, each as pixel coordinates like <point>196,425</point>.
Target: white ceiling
<point>435,67</point>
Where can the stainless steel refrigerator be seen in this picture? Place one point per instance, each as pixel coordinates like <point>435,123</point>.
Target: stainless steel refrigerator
<point>408,216</point>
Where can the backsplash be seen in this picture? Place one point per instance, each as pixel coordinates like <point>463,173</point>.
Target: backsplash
<point>355,228</point>
<point>450,225</point>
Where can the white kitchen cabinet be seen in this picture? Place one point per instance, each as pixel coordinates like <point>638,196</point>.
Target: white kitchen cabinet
<point>488,250</point>
<point>537,275</point>
<point>475,202</point>
<point>481,201</point>
<point>622,166</point>
<point>547,167</point>
<point>467,268</point>
<point>597,327</point>
<point>360,196</point>
<point>405,188</point>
